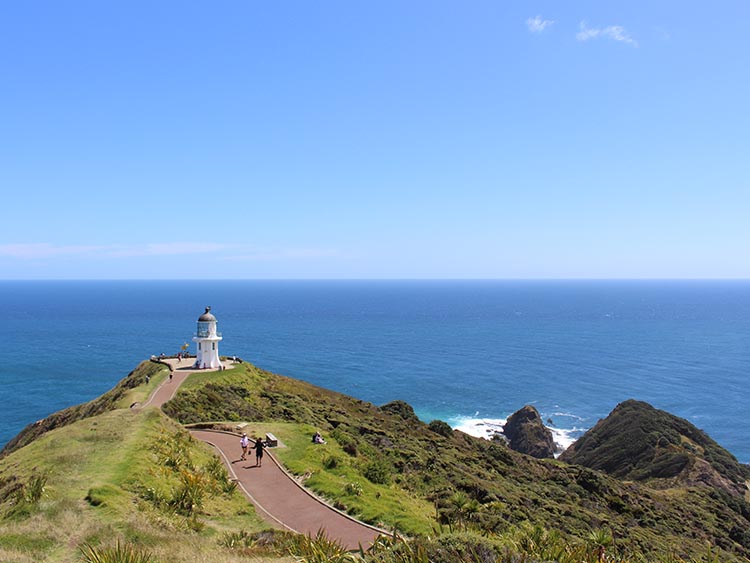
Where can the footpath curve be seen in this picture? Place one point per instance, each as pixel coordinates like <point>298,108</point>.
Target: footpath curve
<point>280,500</point>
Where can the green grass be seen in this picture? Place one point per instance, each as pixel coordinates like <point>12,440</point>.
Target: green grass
<point>141,393</point>
<point>386,506</point>
<point>36,545</point>
<point>330,469</point>
<point>200,378</point>
<point>96,469</point>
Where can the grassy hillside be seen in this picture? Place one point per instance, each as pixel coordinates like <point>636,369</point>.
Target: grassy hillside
<point>133,388</point>
<point>103,473</point>
<point>449,479</point>
<point>134,477</point>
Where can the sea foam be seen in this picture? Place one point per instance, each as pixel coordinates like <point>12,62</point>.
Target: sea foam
<point>487,428</point>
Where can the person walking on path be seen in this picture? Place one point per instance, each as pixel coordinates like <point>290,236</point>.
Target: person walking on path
<point>171,375</point>
<point>258,447</point>
<point>244,443</point>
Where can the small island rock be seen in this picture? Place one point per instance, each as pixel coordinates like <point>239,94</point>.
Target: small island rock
<point>527,434</point>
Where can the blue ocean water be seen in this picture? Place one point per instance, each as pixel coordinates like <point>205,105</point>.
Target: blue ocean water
<point>456,350</point>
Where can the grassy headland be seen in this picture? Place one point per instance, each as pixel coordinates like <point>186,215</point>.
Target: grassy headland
<point>103,472</point>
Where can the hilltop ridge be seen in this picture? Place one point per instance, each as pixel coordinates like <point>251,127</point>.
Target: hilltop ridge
<point>638,442</point>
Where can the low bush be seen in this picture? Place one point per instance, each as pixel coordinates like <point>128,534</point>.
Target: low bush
<point>320,549</point>
<point>440,427</point>
<point>119,553</point>
<point>354,489</point>
<point>378,472</point>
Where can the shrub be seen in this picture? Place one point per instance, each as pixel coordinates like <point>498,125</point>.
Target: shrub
<point>154,496</point>
<point>35,488</point>
<point>331,462</point>
<point>401,409</point>
<point>394,549</point>
<point>440,427</point>
<point>320,549</point>
<point>235,540</point>
<point>218,473</point>
<point>353,489</point>
<point>187,498</point>
<point>120,553</point>
<point>347,442</point>
<point>25,496</point>
<point>378,472</point>
<point>451,548</point>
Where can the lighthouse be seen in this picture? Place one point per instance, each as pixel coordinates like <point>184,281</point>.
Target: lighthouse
<point>207,340</point>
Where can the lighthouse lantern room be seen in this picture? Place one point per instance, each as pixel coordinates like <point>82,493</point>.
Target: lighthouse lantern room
<point>207,339</point>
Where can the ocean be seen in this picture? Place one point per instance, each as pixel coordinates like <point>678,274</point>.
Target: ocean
<point>467,352</point>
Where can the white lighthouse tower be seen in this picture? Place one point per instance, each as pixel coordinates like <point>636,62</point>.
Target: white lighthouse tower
<point>207,339</point>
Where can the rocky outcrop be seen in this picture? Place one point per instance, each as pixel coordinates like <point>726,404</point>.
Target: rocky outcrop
<point>527,434</point>
<point>640,443</point>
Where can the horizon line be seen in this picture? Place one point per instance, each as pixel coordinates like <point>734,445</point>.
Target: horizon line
<point>405,279</point>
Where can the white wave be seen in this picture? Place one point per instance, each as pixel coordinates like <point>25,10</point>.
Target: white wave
<point>564,438</point>
<point>569,415</point>
<point>487,428</point>
<point>479,427</point>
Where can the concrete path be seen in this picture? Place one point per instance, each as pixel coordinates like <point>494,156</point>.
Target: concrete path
<point>279,499</point>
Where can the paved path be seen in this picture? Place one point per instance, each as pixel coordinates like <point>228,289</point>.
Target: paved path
<point>279,498</point>
<point>180,371</point>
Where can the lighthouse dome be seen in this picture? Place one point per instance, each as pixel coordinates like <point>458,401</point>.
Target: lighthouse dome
<point>207,317</point>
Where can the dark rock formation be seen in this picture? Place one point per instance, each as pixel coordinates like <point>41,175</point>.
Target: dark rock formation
<point>527,434</point>
<point>638,442</point>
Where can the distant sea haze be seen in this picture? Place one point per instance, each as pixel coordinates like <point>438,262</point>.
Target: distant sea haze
<point>467,352</point>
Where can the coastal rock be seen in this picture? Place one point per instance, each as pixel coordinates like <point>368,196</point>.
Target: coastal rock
<point>527,434</point>
<point>641,443</point>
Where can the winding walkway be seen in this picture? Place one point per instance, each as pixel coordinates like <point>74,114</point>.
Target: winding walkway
<point>279,499</point>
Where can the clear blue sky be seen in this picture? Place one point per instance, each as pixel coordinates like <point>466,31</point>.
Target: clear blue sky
<point>388,139</point>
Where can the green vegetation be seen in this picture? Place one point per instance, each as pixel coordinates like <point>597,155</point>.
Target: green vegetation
<point>388,468</point>
<point>115,554</point>
<point>102,482</point>
<point>124,476</point>
<point>641,443</point>
<point>523,544</point>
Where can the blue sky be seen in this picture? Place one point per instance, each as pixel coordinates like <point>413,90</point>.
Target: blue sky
<point>482,139</point>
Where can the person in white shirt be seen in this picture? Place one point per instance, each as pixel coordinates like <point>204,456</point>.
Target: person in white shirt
<point>244,442</point>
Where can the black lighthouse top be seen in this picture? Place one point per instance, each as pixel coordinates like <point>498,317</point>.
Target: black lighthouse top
<point>207,317</point>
